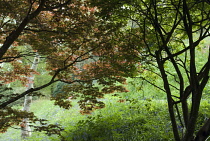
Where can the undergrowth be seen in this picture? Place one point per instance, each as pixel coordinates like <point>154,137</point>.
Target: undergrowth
<point>127,120</point>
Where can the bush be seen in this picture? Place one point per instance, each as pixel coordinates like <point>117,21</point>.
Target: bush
<point>145,121</point>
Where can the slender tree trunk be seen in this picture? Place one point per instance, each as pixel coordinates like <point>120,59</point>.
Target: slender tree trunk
<point>25,128</point>
<point>169,97</point>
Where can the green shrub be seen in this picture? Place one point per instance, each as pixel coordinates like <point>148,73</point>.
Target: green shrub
<point>145,120</point>
<point>134,120</point>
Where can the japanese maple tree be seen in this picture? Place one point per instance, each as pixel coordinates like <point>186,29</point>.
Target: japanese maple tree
<point>78,47</point>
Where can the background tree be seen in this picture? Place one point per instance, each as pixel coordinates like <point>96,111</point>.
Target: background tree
<point>25,128</point>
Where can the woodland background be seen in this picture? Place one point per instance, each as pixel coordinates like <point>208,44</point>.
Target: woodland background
<point>120,70</point>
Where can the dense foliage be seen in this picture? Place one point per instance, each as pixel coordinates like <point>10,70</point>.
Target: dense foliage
<point>90,48</point>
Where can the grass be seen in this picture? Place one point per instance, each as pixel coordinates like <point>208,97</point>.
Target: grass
<point>45,109</point>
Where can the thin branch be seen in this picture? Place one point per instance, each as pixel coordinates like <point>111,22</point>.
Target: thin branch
<point>179,115</point>
<point>3,105</point>
<point>151,83</point>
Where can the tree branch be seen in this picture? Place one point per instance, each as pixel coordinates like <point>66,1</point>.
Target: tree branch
<point>16,33</point>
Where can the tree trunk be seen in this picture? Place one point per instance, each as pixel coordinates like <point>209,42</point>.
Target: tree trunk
<point>25,128</point>
<point>204,132</point>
